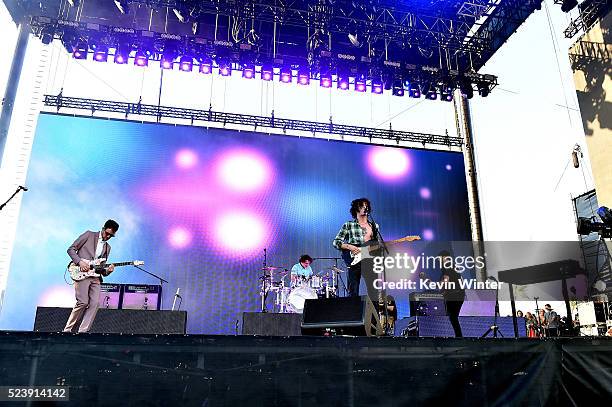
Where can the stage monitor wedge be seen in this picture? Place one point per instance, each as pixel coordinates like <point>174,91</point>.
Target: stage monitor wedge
<point>341,316</point>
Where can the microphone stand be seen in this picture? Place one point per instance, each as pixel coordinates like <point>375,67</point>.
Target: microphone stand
<point>161,282</point>
<point>494,328</point>
<point>19,188</point>
<point>381,296</point>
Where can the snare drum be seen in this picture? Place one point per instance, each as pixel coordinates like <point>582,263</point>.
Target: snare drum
<point>298,297</point>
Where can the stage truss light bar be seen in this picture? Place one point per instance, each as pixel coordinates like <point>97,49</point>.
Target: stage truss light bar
<point>169,48</point>
<point>61,102</point>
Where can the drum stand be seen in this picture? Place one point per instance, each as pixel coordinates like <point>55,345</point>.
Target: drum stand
<point>264,278</point>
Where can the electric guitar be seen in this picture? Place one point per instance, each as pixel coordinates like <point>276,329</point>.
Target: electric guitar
<point>96,268</point>
<point>368,248</point>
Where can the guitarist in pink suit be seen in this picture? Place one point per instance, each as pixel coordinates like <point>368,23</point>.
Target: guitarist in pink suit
<point>87,247</point>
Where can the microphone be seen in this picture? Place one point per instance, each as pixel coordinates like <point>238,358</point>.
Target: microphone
<point>177,295</point>
<point>22,187</point>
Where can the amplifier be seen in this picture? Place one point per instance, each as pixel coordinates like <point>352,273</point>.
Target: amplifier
<point>142,296</point>
<point>427,304</point>
<point>110,296</point>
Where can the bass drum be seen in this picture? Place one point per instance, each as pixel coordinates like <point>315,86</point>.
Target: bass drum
<point>298,297</point>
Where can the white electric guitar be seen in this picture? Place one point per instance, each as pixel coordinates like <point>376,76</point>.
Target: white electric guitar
<point>97,269</point>
<point>367,248</point>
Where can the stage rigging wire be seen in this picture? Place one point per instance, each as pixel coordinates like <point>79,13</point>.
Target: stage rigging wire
<point>555,46</point>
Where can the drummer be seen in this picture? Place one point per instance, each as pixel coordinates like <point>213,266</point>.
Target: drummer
<point>301,271</point>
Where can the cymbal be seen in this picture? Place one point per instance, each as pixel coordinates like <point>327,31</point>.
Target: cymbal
<point>273,268</point>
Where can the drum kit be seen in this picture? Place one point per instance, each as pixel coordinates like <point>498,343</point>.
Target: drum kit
<point>290,294</point>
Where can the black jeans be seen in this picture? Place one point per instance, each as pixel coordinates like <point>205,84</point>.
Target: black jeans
<point>365,268</point>
<point>453,308</point>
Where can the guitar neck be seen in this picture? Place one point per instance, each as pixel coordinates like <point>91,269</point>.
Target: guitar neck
<point>123,263</point>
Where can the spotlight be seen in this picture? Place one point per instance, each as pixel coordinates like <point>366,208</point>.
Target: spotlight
<point>483,89</point>
<point>122,6</point>
<point>69,40</point>
<point>360,85</point>
<point>415,91</point>
<point>267,72</point>
<point>100,54</point>
<point>303,76</point>
<point>325,80</point>
<point>122,54</point>
<point>46,35</point>
<point>466,88</point>
<point>590,225</point>
<point>568,5</point>
<point>80,50</point>
<point>141,58</point>
<point>225,68</point>
<point>248,71</point>
<point>377,86</point>
<point>286,75</point>
<point>186,63</point>
<point>343,82</point>
<point>431,95</point>
<point>167,59</point>
<point>206,66</point>
<point>398,87</point>
<point>446,93</point>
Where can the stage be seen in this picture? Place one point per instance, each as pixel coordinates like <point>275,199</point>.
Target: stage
<point>198,370</point>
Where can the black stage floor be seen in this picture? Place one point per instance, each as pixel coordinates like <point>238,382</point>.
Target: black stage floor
<point>198,370</point>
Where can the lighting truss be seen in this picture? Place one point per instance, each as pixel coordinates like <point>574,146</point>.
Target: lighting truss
<point>94,105</point>
<point>588,13</point>
<point>455,28</point>
<point>237,56</point>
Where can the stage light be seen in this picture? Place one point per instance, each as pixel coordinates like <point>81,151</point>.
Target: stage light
<point>466,88</point>
<point>141,58</point>
<point>398,87</point>
<point>167,59</point>
<point>483,89</point>
<point>360,85</point>
<point>80,51</point>
<point>286,75</point>
<point>186,64</point>
<point>446,93</point>
<point>100,54</point>
<point>267,72</point>
<point>343,82</point>
<point>225,68</point>
<point>303,76</point>
<point>568,5</point>
<point>325,80</point>
<point>69,40</point>
<point>206,66</point>
<point>377,86</point>
<point>590,225</point>
<point>431,95</point>
<point>122,6</point>
<point>248,71</point>
<point>415,91</point>
<point>74,3</point>
<point>46,35</point>
<point>122,54</point>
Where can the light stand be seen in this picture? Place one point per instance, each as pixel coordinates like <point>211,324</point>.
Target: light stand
<point>494,328</point>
